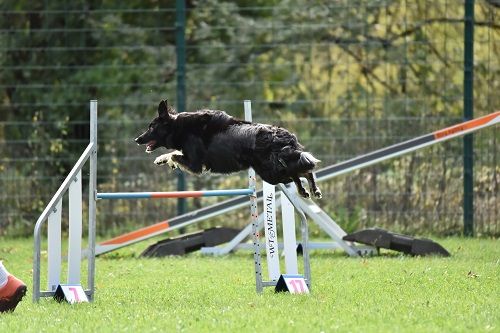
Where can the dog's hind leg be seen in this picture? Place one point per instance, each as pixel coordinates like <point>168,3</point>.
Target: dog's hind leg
<point>312,185</point>
<point>302,191</point>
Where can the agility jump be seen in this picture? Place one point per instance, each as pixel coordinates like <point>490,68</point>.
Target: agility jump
<point>73,185</point>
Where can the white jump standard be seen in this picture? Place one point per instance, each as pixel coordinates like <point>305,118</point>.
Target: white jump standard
<point>276,279</point>
<point>52,214</point>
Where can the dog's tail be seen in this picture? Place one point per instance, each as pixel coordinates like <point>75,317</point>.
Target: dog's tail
<point>307,161</point>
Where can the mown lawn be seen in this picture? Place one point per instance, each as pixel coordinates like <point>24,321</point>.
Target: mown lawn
<point>389,293</point>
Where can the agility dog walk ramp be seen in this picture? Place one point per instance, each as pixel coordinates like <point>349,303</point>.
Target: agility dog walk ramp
<point>323,174</point>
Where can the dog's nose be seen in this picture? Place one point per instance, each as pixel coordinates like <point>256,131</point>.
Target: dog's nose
<point>136,140</point>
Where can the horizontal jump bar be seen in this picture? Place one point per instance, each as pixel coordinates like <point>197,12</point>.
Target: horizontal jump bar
<point>175,194</point>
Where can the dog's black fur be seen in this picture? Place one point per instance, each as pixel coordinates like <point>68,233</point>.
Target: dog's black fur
<point>214,141</point>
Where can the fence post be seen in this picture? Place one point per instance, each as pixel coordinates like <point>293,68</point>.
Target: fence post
<point>468,102</point>
<point>180,49</point>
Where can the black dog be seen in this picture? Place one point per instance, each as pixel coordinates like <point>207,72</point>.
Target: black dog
<point>214,141</point>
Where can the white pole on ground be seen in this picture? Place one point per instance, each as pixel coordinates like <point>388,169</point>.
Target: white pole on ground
<point>54,247</point>
<point>289,237</point>
<point>271,232</point>
<point>254,213</point>
<point>92,198</point>
<point>75,229</point>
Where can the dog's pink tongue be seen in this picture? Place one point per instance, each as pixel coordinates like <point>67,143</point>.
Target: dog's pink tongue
<point>150,145</point>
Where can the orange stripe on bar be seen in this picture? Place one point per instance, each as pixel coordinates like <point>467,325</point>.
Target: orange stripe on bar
<point>177,194</point>
<point>466,125</point>
<point>160,226</point>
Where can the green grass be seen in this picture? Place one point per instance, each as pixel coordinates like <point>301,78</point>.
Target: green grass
<point>390,293</point>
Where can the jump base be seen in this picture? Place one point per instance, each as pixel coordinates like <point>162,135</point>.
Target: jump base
<point>389,240</point>
<point>191,242</point>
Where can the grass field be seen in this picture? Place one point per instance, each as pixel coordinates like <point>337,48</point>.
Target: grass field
<point>389,293</point>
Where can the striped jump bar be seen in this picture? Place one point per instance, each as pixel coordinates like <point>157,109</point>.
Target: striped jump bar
<point>175,194</point>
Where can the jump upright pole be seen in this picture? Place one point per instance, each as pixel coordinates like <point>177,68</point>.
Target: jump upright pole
<point>92,198</point>
<point>254,213</point>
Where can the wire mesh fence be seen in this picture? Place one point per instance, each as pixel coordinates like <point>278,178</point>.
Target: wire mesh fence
<point>347,76</point>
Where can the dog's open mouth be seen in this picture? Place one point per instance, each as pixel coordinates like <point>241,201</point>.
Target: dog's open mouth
<point>150,146</point>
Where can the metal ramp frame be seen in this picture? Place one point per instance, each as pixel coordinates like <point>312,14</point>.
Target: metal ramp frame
<point>310,209</point>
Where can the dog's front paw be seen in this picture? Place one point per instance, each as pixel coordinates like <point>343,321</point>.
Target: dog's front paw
<point>171,163</point>
<point>167,159</point>
<point>162,159</point>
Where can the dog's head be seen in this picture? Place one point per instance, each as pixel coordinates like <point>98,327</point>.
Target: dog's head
<point>160,130</point>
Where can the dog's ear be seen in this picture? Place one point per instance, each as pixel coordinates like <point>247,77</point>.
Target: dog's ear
<point>163,110</point>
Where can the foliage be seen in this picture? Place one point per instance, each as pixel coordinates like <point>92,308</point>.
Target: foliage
<point>347,76</point>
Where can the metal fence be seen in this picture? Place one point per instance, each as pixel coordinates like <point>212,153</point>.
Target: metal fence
<point>347,76</point>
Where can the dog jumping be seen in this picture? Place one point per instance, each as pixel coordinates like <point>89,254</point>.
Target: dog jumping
<point>211,140</point>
